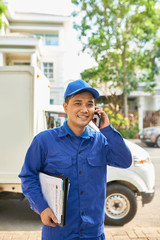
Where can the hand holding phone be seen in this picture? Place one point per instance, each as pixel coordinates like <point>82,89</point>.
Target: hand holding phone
<point>100,118</point>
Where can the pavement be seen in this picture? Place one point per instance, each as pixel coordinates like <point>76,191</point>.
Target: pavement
<point>135,233</point>
<point>111,233</point>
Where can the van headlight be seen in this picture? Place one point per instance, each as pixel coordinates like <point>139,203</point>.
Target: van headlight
<point>140,156</point>
<point>139,161</point>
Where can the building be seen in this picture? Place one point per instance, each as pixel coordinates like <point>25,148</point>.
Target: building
<point>40,40</point>
<point>44,41</point>
<point>147,104</point>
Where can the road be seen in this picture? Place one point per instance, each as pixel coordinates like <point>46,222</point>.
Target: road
<point>16,215</point>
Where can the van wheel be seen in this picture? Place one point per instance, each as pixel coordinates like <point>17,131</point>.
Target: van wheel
<point>120,205</point>
<point>158,141</point>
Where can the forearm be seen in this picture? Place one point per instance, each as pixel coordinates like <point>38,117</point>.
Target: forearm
<point>32,191</point>
<point>30,176</point>
<point>119,154</point>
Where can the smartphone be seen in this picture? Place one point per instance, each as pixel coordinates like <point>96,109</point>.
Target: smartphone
<point>97,118</point>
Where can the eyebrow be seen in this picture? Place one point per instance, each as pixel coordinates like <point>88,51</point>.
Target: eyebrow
<point>90,101</point>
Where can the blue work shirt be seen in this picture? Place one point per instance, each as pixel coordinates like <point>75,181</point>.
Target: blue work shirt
<point>83,159</point>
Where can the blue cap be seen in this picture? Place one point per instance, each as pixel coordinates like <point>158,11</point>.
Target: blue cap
<point>79,85</point>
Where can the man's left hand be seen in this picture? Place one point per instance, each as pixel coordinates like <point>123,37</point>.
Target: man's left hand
<point>104,121</point>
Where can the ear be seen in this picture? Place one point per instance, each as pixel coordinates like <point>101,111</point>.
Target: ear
<point>65,105</point>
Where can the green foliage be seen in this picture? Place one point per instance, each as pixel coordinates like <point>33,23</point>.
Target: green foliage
<point>130,133</point>
<point>122,38</point>
<point>3,8</point>
<point>116,119</point>
<point>127,128</point>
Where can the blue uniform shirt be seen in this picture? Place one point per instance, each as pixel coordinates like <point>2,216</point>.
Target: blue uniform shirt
<point>83,159</point>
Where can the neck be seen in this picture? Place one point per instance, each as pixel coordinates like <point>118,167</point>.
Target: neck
<point>75,129</point>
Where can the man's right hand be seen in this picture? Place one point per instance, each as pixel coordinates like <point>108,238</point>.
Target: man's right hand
<point>48,218</point>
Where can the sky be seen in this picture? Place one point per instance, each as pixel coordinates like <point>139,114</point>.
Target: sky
<point>43,6</point>
<point>78,60</point>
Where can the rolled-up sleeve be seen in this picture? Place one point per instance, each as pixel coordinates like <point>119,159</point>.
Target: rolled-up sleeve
<point>30,176</point>
<point>118,153</point>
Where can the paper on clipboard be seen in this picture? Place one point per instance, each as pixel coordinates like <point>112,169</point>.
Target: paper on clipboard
<point>55,193</point>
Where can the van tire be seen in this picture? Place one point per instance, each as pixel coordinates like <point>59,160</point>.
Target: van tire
<point>120,204</point>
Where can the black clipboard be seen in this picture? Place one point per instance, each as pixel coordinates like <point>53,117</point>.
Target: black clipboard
<point>65,190</point>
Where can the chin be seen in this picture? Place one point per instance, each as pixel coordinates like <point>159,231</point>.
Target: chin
<point>84,123</point>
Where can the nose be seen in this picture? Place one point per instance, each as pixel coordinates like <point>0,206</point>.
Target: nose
<point>84,108</point>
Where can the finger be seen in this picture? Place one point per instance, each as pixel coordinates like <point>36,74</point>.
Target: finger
<point>52,223</point>
<point>54,219</point>
<point>49,222</point>
<point>97,109</point>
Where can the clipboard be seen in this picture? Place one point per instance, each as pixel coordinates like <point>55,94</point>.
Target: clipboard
<point>55,191</point>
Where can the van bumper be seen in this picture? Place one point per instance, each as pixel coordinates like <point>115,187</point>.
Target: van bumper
<point>147,197</point>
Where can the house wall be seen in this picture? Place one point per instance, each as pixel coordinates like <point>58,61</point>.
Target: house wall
<point>24,27</point>
<point>57,84</point>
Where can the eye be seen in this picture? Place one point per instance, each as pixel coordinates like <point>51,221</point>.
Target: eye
<point>90,104</point>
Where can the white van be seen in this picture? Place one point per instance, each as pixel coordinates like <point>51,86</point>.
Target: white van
<point>123,185</point>
<point>24,93</point>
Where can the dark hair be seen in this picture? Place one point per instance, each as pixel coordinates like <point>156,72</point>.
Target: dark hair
<point>69,97</point>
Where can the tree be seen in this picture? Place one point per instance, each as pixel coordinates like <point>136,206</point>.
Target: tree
<point>2,10</point>
<point>122,36</point>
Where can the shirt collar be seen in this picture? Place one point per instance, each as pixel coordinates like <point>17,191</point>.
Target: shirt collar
<point>66,130</point>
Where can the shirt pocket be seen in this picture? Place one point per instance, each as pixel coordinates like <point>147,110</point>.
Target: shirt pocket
<point>60,164</point>
<point>96,170</point>
<point>96,161</point>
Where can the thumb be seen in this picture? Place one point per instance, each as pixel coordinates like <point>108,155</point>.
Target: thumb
<point>53,217</point>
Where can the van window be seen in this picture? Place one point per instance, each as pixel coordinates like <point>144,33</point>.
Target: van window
<point>55,119</point>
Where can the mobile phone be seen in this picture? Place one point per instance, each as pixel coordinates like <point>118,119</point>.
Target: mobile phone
<point>97,119</point>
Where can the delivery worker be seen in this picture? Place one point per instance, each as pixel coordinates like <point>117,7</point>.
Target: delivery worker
<point>81,155</point>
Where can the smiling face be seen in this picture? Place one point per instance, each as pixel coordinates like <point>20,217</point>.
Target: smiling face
<point>80,110</point>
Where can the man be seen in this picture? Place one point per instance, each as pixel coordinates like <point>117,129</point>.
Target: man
<point>81,155</point>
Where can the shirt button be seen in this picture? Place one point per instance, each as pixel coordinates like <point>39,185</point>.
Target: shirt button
<point>82,213</point>
<point>80,172</point>
<point>81,193</point>
<point>81,230</point>
<point>79,152</point>
<point>81,234</point>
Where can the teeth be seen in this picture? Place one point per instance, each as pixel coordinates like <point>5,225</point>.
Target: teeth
<point>83,117</point>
